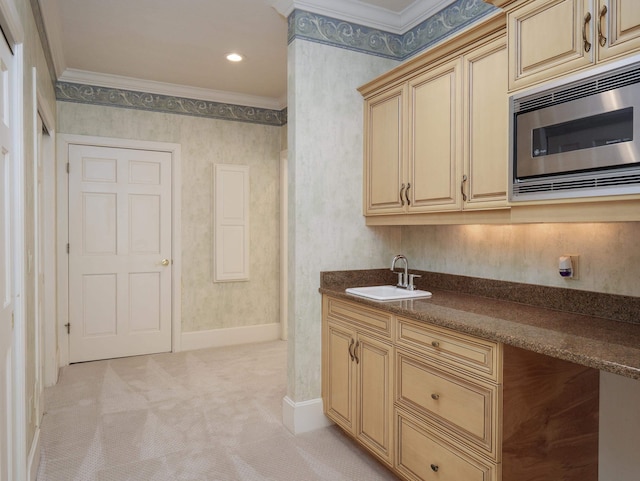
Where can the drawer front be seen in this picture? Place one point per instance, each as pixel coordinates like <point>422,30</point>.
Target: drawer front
<point>422,455</point>
<point>459,351</point>
<point>359,315</point>
<point>465,409</point>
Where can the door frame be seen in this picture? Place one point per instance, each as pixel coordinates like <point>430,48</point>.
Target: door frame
<point>49,347</point>
<point>12,28</point>
<point>63,142</point>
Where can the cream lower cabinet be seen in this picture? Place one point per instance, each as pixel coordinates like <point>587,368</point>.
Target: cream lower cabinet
<point>436,128</point>
<point>550,38</point>
<point>437,405</point>
<point>447,398</point>
<point>357,375</point>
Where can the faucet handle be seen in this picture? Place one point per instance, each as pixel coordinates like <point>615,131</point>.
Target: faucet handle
<point>401,279</point>
<point>410,285</point>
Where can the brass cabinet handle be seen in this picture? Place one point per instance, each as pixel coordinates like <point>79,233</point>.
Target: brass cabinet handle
<point>164,262</point>
<point>601,38</point>
<point>351,352</point>
<point>435,467</point>
<point>406,193</point>
<point>587,44</point>
<point>401,195</point>
<point>464,180</point>
<point>355,354</point>
<point>435,343</point>
<point>435,396</point>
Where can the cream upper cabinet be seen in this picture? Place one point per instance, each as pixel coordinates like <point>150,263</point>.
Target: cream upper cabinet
<point>550,38</point>
<point>486,127</point>
<point>436,129</point>
<point>435,106</point>
<point>384,170</point>
<point>618,28</point>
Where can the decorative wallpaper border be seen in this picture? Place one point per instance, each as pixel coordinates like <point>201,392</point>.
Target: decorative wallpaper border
<point>339,33</point>
<point>89,94</point>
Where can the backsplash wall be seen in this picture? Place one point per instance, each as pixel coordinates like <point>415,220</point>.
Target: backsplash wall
<point>609,257</point>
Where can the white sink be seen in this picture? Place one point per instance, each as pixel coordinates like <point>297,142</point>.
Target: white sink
<point>387,293</point>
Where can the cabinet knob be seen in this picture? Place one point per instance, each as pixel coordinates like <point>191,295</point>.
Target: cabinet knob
<point>435,343</point>
<point>434,467</point>
<point>435,396</point>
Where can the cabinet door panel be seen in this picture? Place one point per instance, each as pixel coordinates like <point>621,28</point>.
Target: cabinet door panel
<point>486,131</point>
<point>384,143</point>
<point>339,383</point>
<point>435,125</point>
<point>545,39</point>
<point>621,24</point>
<point>374,405</point>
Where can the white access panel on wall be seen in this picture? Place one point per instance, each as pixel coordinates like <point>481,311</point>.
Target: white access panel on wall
<point>231,223</point>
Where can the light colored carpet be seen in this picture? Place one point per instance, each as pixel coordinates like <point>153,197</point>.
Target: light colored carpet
<point>208,415</point>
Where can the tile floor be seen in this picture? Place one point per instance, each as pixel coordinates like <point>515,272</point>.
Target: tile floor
<point>208,415</point>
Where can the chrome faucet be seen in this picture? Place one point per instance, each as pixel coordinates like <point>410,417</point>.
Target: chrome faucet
<point>405,280</point>
<point>402,276</point>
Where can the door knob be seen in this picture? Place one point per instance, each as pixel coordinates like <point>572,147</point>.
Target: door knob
<point>164,262</point>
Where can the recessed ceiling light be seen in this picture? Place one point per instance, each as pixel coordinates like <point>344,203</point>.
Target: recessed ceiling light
<point>234,57</point>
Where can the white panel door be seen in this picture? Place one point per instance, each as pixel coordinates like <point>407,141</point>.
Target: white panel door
<point>6,265</point>
<point>120,252</point>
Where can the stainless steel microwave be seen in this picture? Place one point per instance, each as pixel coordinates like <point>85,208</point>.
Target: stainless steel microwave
<point>578,137</point>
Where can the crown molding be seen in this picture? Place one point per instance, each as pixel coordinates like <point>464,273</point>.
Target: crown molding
<point>50,15</point>
<point>75,76</point>
<point>419,11</point>
<point>371,16</point>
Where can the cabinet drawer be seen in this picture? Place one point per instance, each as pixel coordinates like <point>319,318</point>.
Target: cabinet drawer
<point>359,315</point>
<point>466,409</point>
<point>423,456</point>
<point>461,352</point>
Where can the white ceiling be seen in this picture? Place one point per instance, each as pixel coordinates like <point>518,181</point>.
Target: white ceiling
<point>179,47</point>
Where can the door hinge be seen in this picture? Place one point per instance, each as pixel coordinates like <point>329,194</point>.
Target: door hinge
<point>68,248</point>
<point>12,320</point>
<point>68,167</point>
<point>68,326</point>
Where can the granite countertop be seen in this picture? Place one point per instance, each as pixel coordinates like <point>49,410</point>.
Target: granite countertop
<point>526,316</point>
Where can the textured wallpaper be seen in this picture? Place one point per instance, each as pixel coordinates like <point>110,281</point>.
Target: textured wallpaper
<point>204,142</point>
<point>326,228</point>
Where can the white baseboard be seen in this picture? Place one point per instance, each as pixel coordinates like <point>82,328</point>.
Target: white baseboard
<point>301,417</point>
<point>229,337</point>
<point>33,463</point>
